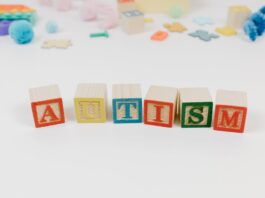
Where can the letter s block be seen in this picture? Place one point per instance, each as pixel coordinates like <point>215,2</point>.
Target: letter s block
<point>127,103</point>
<point>230,111</point>
<point>47,106</point>
<point>196,108</point>
<point>160,105</point>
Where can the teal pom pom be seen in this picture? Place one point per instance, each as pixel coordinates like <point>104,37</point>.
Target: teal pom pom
<point>21,32</point>
<point>52,27</point>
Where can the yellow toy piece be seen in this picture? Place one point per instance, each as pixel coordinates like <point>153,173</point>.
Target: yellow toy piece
<point>175,27</point>
<point>226,31</point>
<point>162,6</point>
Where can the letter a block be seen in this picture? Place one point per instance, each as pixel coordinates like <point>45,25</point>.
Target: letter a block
<point>47,106</point>
<point>160,106</point>
<point>196,108</point>
<point>230,111</point>
<point>127,103</point>
<point>90,103</point>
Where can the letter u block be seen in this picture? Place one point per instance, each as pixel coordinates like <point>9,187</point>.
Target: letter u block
<point>90,103</point>
<point>127,103</point>
<point>230,111</point>
<point>47,106</point>
<point>160,106</point>
<point>196,108</point>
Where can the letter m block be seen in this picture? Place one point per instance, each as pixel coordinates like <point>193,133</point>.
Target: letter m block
<point>47,106</point>
<point>230,111</point>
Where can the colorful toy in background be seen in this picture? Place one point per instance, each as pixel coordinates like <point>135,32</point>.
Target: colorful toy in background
<point>4,26</point>
<point>52,27</point>
<point>161,106</point>
<point>21,32</point>
<point>17,12</point>
<point>254,27</point>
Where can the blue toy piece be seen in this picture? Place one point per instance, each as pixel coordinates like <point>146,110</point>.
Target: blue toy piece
<point>128,106</point>
<point>21,32</point>
<point>52,27</point>
<point>255,25</point>
<point>203,35</point>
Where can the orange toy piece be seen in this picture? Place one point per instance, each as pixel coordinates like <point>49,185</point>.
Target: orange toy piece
<point>175,27</point>
<point>159,36</point>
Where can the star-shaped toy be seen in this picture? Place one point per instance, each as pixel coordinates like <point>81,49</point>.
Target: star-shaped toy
<point>203,20</point>
<point>226,31</point>
<point>204,35</point>
<point>175,27</point>
<point>59,44</point>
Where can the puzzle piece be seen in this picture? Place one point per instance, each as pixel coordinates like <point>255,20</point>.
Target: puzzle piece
<point>226,31</point>
<point>203,21</point>
<point>175,27</point>
<point>159,36</point>
<point>203,35</point>
<point>59,44</point>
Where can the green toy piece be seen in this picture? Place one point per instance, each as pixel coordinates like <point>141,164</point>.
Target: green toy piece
<point>101,34</point>
<point>175,12</point>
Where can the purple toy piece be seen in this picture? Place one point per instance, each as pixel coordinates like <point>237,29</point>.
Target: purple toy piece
<point>4,25</point>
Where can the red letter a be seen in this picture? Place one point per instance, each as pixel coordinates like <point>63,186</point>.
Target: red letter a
<point>49,113</point>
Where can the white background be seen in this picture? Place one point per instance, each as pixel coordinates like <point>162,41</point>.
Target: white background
<point>129,161</point>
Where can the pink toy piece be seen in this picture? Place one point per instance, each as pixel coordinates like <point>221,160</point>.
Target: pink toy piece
<point>88,11</point>
<point>108,15</point>
<point>63,5</point>
<point>46,2</point>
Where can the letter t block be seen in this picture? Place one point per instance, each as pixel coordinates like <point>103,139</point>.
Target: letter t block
<point>230,111</point>
<point>90,103</point>
<point>127,103</point>
<point>47,106</point>
<point>160,106</point>
<point>196,107</point>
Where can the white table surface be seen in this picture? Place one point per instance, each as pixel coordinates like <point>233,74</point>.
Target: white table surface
<point>130,161</point>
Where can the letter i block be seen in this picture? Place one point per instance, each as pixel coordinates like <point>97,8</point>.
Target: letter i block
<point>127,103</point>
<point>90,103</point>
<point>230,111</point>
<point>196,108</point>
<point>160,106</point>
<point>47,106</point>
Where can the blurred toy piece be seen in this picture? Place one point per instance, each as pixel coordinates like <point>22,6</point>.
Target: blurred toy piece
<point>254,27</point>
<point>203,20</point>
<point>52,27</point>
<point>132,22</point>
<point>163,6</point>
<point>100,34</point>
<point>159,36</point>
<point>21,32</point>
<point>59,44</point>
<point>92,10</point>
<point>175,12</point>
<point>4,26</point>
<point>203,35</point>
<point>175,27</point>
<point>226,31</point>
<point>237,15</point>
<point>15,12</point>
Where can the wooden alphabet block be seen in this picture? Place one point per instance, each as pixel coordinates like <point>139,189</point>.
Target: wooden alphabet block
<point>132,22</point>
<point>127,103</point>
<point>230,111</point>
<point>91,103</point>
<point>237,15</point>
<point>160,106</point>
<point>47,106</point>
<point>126,5</point>
<point>196,108</point>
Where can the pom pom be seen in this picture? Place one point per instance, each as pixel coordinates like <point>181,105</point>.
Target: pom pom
<point>251,30</point>
<point>262,10</point>
<point>64,5</point>
<point>88,11</point>
<point>21,32</point>
<point>259,21</point>
<point>175,12</point>
<point>52,27</point>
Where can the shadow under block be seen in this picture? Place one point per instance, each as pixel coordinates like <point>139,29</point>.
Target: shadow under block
<point>196,108</point>
<point>47,106</point>
<point>127,103</point>
<point>126,5</point>
<point>91,103</point>
<point>162,6</point>
<point>230,111</point>
<point>160,106</point>
<point>237,15</point>
<point>132,22</point>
